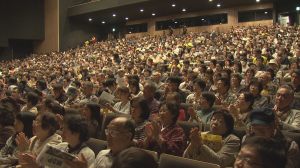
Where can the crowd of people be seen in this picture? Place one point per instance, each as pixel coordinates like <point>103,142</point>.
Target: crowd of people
<point>241,86</point>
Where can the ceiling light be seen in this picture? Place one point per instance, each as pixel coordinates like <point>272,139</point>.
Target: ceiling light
<point>173,5</point>
<point>210,0</point>
<point>113,29</point>
<point>126,18</point>
<point>257,0</point>
<point>183,10</point>
<point>298,8</point>
<point>266,12</point>
<point>114,15</point>
<point>141,10</point>
<point>129,32</point>
<point>218,5</point>
<point>153,14</point>
<point>175,22</point>
<point>103,22</point>
<point>202,19</point>
<point>90,19</point>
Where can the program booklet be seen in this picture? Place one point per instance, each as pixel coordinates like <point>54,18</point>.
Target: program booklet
<point>53,157</point>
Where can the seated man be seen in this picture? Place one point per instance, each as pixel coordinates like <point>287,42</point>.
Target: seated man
<point>263,123</point>
<point>119,133</point>
<point>288,118</point>
<point>261,152</point>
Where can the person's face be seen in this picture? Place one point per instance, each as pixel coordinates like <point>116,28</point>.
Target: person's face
<point>283,99</point>
<point>196,88</point>
<point>165,116</point>
<point>249,74</point>
<point>136,112</point>
<point>234,81</point>
<point>117,137</point>
<point>248,158</point>
<point>86,113</point>
<point>254,90</point>
<point>37,127</point>
<point>148,92</point>
<point>295,80</point>
<point>221,86</point>
<point>217,124</point>
<point>242,104</point>
<point>87,90</point>
<point>18,125</point>
<point>68,136</point>
<point>266,131</point>
<point>172,86</point>
<point>203,103</point>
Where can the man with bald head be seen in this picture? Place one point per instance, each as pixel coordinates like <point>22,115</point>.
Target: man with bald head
<point>119,135</point>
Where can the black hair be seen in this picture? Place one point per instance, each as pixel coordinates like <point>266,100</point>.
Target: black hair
<point>134,158</point>
<point>41,84</point>
<point>48,121</point>
<point>173,108</point>
<point>32,98</point>
<point>142,103</point>
<point>271,152</point>
<point>257,83</point>
<point>249,98</point>
<point>174,79</point>
<point>95,111</point>
<point>209,97</point>
<point>7,117</point>
<point>76,124</point>
<point>27,119</point>
<point>201,83</point>
<point>228,119</point>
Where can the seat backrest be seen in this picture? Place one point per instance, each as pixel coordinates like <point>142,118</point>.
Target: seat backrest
<point>170,161</point>
<point>96,145</point>
<point>187,126</point>
<point>152,153</point>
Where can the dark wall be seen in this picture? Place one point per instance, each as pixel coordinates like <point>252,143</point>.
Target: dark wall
<point>71,32</point>
<point>21,22</point>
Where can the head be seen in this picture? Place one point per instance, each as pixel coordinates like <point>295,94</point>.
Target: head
<point>87,88</point>
<point>123,93</point>
<point>199,85</point>
<point>223,85</point>
<point>262,123</point>
<point>284,97</point>
<point>134,158</point>
<point>140,110</point>
<point>58,89</point>
<point>7,118</point>
<point>296,78</point>
<point>207,100</point>
<point>173,83</point>
<point>45,125</point>
<point>75,130</point>
<point>134,86</point>
<point>32,99</point>
<point>221,123</point>
<point>119,134</point>
<point>261,152</point>
<point>255,87</point>
<point>169,113</point>
<point>72,93</point>
<point>23,123</point>
<point>149,90</point>
<point>235,80</point>
<point>245,101</point>
<point>92,112</point>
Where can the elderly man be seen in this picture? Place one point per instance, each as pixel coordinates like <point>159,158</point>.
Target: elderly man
<point>119,133</point>
<point>88,93</point>
<point>288,117</point>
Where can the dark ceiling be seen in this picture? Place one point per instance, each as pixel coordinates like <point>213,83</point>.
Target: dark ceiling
<point>159,7</point>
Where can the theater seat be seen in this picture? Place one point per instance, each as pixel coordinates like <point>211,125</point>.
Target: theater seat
<point>187,126</point>
<point>170,161</point>
<point>96,145</point>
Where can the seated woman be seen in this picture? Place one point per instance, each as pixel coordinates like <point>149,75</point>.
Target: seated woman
<point>75,134</point>
<point>6,125</point>
<point>221,124</point>
<point>256,87</point>
<point>23,123</point>
<point>91,113</point>
<point>44,128</point>
<point>140,113</point>
<point>207,100</point>
<point>167,137</point>
<point>123,106</point>
<point>241,110</point>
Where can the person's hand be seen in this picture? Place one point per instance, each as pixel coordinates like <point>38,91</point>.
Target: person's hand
<point>192,113</point>
<point>22,142</point>
<point>109,107</point>
<point>60,120</point>
<point>27,160</point>
<point>233,110</point>
<point>155,129</point>
<point>149,131</point>
<point>196,140</point>
<point>78,162</point>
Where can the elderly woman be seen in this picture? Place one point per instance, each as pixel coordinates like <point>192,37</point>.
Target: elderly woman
<point>167,137</point>
<point>44,128</point>
<point>91,113</point>
<point>221,124</point>
<point>256,87</point>
<point>123,106</point>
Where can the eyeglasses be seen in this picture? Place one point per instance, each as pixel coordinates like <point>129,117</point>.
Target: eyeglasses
<point>112,133</point>
<point>248,161</point>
